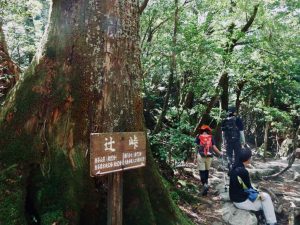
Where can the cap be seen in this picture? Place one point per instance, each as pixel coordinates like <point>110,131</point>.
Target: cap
<point>231,109</point>
<point>205,127</point>
<point>245,154</point>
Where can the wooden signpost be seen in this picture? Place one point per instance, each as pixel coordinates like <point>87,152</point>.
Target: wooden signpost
<point>111,153</point>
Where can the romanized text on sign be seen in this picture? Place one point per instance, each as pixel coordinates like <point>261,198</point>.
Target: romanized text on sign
<point>112,152</point>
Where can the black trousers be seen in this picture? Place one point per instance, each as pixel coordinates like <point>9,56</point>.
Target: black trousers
<point>204,176</point>
<point>233,147</point>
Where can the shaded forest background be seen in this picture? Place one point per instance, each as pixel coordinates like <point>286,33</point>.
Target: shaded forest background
<point>198,57</point>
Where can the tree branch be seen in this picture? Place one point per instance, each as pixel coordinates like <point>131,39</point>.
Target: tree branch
<point>143,6</point>
<point>251,20</point>
<point>244,29</point>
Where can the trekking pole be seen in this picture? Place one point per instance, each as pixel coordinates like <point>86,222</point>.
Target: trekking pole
<point>224,176</point>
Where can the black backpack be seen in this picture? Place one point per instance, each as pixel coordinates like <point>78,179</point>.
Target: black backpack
<point>230,129</point>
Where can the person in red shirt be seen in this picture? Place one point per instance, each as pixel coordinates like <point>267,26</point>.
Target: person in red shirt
<point>205,147</point>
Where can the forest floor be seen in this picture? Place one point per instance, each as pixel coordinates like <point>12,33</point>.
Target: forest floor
<point>284,190</point>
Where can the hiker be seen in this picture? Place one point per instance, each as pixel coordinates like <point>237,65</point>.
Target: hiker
<point>204,156</point>
<point>232,135</point>
<point>242,193</point>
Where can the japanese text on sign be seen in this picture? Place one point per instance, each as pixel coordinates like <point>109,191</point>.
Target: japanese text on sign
<point>112,152</point>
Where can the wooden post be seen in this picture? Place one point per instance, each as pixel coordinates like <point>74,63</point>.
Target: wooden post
<point>111,153</point>
<point>115,199</point>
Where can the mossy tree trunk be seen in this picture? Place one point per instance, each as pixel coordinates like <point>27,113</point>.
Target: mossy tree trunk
<point>85,79</point>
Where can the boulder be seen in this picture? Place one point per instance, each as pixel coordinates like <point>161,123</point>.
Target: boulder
<point>234,216</point>
<point>296,176</point>
<point>285,147</point>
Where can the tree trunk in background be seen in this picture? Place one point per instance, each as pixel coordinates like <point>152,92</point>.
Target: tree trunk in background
<point>268,123</point>
<point>225,91</point>
<point>30,33</point>
<point>230,45</point>
<point>233,40</point>
<point>172,72</point>
<point>205,118</point>
<point>187,94</point>
<point>9,71</point>
<point>291,157</point>
<point>266,138</point>
<point>239,90</point>
<point>85,79</point>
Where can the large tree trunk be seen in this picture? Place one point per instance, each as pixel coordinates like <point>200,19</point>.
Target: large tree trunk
<point>86,79</point>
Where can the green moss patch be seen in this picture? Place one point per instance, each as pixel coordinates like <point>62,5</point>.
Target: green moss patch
<point>12,195</point>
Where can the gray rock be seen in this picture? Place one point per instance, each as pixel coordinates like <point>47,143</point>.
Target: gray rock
<point>218,223</point>
<point>258,173</point>
<point>296,176</point>
<point>188,171</point>
<point>224,194</point>
<point>285,147</point>
<point>235,216</point>
<point>230,214</point>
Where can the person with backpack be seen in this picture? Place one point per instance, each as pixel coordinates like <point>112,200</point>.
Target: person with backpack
<point>205,147</point>
<point>242,193</point>
<point>233,135</point>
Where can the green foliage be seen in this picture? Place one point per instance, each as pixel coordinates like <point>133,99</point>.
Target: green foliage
<point>53,217</point>
<point>173,144</point>
<point>175,196</point>
<point>263,64</point>
<point>24,24</point>
<point>185,195</point>
<point>12,196</point>
<point>183,192</point>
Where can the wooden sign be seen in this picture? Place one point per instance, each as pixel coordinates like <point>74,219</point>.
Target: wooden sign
<point>113,152</point>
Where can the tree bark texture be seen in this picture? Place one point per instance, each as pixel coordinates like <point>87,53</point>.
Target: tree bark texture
<point>85,79</point>
<point>239,90</point>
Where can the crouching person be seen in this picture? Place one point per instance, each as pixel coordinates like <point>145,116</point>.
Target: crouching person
<point>243,195</point>
<point>204,157</point>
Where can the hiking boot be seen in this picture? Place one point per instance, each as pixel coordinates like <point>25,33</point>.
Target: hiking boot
<point>205,190</point>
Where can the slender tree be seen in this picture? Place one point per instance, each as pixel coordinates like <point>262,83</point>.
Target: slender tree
<point>172,71</point>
